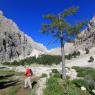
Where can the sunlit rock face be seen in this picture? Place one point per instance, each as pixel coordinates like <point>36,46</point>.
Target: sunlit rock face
<point>14,44</point>
<point>87,36</point>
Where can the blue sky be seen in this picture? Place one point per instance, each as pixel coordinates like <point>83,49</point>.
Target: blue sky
<point>28,14</point>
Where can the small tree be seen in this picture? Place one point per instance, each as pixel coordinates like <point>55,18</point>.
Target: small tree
<point>59,28</point>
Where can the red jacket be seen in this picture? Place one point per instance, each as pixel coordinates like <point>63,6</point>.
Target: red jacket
<point>28,73</point>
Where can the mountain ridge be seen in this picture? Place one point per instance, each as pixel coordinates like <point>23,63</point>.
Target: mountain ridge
<point>15,44</point>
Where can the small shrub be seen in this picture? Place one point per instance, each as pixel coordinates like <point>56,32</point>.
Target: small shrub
<point>87,50</point>
<point>90,83</point>
<point>87,82</point>
<point>69,56</point>
<point>78,53</point>
<point>73,55</point>
<point>78,82</point>
<point>55,71</point>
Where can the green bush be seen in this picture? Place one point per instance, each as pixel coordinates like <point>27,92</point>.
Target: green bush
<point>78,53</point>
<point>56,75</point>
<point>73,55</point>
<point>48,59</point>
<point>78,82</point>
<point>83,71</point>
<point>55,71</point>
<point>90,83</point>
<point>68,57</point>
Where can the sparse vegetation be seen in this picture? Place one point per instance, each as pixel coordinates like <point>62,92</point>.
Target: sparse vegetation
<point>73,55</point>
<point>43,59</point>
<point>14,90</point>
<point>89,84</point>
<point>10,85</point>
<point>56,86</point>
<point>83,71</point>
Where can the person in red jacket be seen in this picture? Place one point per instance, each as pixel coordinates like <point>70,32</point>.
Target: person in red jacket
<point>28,78</point>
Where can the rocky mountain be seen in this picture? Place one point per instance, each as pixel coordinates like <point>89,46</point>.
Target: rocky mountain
<point>86,39</point>
<point>14,44</point>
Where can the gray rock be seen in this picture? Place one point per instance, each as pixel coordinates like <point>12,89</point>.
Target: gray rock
<point>87,36</point>
<point>14,44</point>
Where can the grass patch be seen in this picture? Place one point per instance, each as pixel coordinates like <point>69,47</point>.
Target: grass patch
<point>88,84</point>
<point>5,72</point>
<point>56,86</point>
<point>53,88</point>
<point>14,90</point>
<point>7,77</point>
<point>32,92</point>
<point>83,71</point>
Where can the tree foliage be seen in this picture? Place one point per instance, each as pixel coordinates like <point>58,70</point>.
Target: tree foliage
<point>61,29</point>
<point>58,25</point>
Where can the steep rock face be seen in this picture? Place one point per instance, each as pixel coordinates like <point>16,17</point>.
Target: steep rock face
<point>14,44</point>
<point>86,39</point>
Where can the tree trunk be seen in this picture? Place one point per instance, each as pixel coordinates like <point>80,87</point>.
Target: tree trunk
<point>63,59</point>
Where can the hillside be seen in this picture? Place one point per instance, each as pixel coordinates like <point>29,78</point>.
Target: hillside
<point>15,44</point>
<point>82,60</point>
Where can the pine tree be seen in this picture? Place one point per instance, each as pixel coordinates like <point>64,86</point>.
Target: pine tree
<point>62,30</point>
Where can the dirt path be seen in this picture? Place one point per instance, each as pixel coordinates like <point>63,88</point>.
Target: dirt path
<point>40,86</point>
<point>23,91</point>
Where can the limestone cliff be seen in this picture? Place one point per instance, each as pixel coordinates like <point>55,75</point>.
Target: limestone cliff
<point>86,39</point>
<point>14,44</point>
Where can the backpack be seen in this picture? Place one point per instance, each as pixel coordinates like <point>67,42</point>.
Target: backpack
<point>31,72</point>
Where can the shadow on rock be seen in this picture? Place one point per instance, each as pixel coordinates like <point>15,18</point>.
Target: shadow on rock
<point>5,84</point>
<point>6,76</point>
